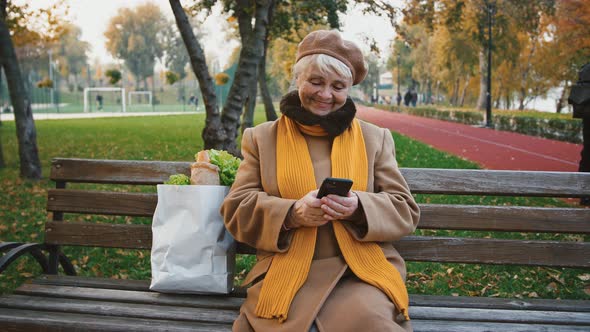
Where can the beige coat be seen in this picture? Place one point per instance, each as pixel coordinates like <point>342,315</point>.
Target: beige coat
<point>332,296</point>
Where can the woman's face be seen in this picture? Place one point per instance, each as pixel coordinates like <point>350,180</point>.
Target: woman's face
<point>320,93</point>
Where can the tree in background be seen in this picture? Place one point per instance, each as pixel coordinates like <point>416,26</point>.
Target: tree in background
<point>221,130</point>
<point>371,81</point>
<point>16,19</point>
<point>521,32</point>
<point>176,58</point>
<point>70,53</point>
<point>114,76</point>
<point>566,46</point>
<point>135,36</point>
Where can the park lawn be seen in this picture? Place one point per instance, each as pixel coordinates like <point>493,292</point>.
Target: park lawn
<point>22,206</point>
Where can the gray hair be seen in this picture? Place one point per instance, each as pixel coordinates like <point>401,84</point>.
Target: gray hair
<point>324,63</point>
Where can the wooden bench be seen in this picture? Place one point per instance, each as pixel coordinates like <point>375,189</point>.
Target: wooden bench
<point>67,302</point>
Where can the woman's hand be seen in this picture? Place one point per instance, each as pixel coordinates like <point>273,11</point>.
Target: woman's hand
<point>339,207</point>
<point>307,212</point>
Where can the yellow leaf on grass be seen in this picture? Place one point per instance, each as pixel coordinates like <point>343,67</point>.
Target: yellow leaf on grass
<point>584,277</point>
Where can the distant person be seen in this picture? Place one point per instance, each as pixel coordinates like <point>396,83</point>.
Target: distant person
<point>99,102</point>
<point>414,98</point>
<point>196,102</point>
<point>191,99</point>
<point>407,98</point>
<point>399,99</point>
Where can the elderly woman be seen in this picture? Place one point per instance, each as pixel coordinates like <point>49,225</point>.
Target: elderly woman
<point>322,264</point>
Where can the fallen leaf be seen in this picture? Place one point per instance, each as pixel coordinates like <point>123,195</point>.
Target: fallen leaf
<point>584,277</point>
<point>533,294</point>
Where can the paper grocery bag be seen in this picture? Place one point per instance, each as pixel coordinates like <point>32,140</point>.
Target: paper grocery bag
<point>192,252</point>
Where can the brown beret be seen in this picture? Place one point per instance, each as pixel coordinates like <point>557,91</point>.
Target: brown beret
<point>330,43</point>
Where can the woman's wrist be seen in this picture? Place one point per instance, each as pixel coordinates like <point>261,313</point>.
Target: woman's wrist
<point>289,222</point>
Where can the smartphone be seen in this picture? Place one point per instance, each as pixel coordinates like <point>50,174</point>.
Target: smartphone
<point>335,186</point>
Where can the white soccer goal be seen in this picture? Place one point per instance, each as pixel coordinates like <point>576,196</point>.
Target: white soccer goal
<point>103,89</point>
<point>132,93</point>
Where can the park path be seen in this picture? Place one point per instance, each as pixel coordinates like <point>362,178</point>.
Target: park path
<point>492,149</point>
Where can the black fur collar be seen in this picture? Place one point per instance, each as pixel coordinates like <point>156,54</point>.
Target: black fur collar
<point>334,123</point>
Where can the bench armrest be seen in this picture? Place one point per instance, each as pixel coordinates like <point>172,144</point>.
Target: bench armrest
<point>14,250</point>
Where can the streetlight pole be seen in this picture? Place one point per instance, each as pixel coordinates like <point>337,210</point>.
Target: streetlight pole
<point>489,6</point>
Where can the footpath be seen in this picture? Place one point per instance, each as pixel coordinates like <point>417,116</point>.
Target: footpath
<point>491,149</point>
<point>89,115</point>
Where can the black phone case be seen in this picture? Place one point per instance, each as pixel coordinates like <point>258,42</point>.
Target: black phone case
<point>334,186</point>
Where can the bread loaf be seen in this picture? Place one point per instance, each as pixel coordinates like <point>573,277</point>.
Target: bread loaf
<point>203,172</point>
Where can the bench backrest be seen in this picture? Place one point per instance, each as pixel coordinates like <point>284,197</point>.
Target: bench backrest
<point>128,202</point>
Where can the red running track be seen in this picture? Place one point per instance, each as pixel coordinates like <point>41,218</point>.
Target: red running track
<point>492,149</point>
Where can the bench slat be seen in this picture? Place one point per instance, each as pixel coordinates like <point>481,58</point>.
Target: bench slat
<point>115,171</point>
<point>420,180</point>
<point>504,218</point>
<point>500,315</point>
<point>420,248</point>
<point>495,251</point>
<point>49,321</point>
<point>218,316</point>
<point>102,202</point>
<point>499,303</point>
<point>429,325</point>
<point>433,216</point>
<point>126,296</point>
<point>501,183</point>
<point>98,235</point>
<point>120,291</point>
<point>105,283</point>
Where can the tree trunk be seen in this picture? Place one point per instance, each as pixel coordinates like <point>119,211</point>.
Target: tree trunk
<point>508,100</point>
<point>562,99</point>
<point>30,165</point>
<point>483,82</point>
<point>436,93</point>
<point>269,108</point>
<point>464,90</point>
<point>250,55</point>
<point>214,134</point>
<point>2,163</point>
<point>248,117</point>
<point>521,96</point>
<point>525,74</point>
<point>455,95</point>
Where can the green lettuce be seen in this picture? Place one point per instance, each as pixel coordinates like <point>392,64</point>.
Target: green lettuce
<point>178,179</point>
<point>228,165</point>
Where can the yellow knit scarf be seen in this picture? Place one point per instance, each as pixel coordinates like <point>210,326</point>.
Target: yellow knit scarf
<point>295,176</point>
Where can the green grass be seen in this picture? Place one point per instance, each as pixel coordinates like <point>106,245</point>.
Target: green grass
<point>22,207</point>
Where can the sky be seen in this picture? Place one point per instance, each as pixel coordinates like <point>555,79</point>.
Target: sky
<point>92,17</point>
